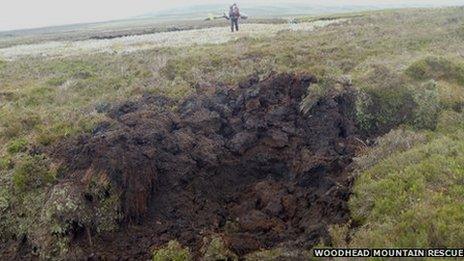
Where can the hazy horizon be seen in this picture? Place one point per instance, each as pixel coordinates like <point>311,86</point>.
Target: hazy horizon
<point>25,14</point>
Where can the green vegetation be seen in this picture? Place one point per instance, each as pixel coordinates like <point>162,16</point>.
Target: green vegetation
<point>414,197</point>
<point>385,101</point>
<point>279,254</point>
<point>407,66</point>
<point>32,172</point>
<point>437,68</point>
<point>17,145</point>
<point>172,252</point>
<point>215,249</point>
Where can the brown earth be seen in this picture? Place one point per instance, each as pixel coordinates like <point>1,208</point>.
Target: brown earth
<point>241,162</point>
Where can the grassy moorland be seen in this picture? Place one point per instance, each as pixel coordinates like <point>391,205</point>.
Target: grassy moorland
<point>115,29</point>
<point>132,43</point>
<point>408,67</point>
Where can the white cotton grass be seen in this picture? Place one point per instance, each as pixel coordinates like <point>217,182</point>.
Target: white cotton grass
<point>126,44</point>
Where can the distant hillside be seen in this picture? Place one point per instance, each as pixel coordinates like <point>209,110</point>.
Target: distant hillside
<point>274,10</point>
<point>199,11</point>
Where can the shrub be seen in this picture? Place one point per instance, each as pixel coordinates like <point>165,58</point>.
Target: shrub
<point>32,172</point>
<point>436,68</point>
<point>19,212</point>
<point>172,252</point>
<point>65,211</point>
<point>450,122</point>
<point>49,216</point>
<point>451,96</point>
<point>427,106</point>
<point>385,101</point>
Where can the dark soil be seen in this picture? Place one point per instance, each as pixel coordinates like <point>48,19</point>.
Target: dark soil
<point>242,162</point>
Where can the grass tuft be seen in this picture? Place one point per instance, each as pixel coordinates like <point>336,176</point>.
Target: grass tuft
<point>17,145</point>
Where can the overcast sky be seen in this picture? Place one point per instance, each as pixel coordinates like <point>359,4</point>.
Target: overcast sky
<point>16,14</point>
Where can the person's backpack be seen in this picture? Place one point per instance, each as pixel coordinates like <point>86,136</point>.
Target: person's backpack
<point>235,11</point>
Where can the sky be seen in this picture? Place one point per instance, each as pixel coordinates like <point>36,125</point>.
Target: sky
<point>20,14</point>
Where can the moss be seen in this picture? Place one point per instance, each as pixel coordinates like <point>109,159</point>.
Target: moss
<point>173,251</point>
<point>20,213</point>
<point>32,172</point>
<point>107,211</point>
<point>58,212</point>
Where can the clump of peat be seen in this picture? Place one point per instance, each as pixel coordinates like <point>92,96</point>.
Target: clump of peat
<point>242,162</point>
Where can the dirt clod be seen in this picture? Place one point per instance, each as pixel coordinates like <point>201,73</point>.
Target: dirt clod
<point>242,162</point>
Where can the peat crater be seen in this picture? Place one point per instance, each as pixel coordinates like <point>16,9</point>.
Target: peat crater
<point>243,162</point>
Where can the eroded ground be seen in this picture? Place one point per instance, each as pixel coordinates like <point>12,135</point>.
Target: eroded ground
<point>240,162</point>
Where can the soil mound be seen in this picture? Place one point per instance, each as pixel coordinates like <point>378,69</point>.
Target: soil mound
<point>243,162</point>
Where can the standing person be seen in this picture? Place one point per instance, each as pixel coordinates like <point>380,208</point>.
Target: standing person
<point>234,14</point>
